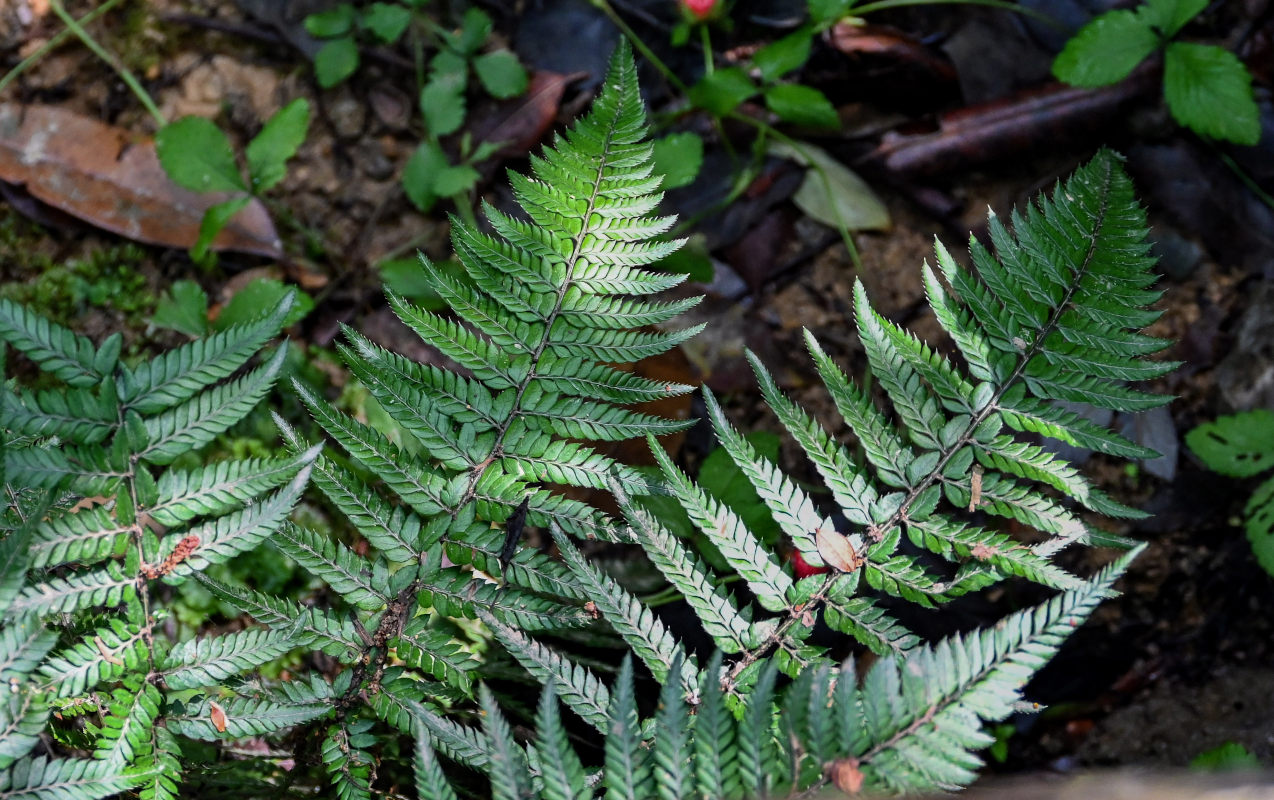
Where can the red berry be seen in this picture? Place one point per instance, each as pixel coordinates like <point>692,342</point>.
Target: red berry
<point>699,9</point>
<point>803,569</point>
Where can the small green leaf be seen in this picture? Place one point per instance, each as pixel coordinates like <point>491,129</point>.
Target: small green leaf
<point>418,175</point>
<point>278,141</point>
<point>197,155</point>
<point>1210,92</point>
<point>1260,524</point>
<point>387,21</point>
<point>442,102</point>
<point>678,157</point>
<point>336,61</point>
<point>259,297</point>
<point>501,74</point>
<point>825,12</point>
<point>801,105</point>
<point>1106,49</point>
<point>184,308</point>
<point>1228,756</point>
<point>454,180</point>
<point>722,91</point>
<point>214,219</point>
<point>1170,16</point>
<point>832,193</point>
<point>474,31</point>
<point>781,57</point>
<point>331,23</point>
<point>1238,445</point>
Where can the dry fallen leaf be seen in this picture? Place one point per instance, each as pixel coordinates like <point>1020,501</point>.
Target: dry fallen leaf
<point>836,550</point>
<point>100,174</point>
<point>218,715</point>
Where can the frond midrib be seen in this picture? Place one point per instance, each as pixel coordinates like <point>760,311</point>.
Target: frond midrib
<point>476,473</point>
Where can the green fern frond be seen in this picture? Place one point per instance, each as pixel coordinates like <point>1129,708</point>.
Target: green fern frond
<point>244,716</point>
<point>55,349</point>
<point>43,778</point>
<point>210,660</point>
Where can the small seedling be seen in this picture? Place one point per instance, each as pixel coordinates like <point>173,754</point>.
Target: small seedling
<point>1207,88</point>
<point>197,154</point>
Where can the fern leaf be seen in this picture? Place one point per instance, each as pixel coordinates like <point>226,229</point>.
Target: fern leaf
<point>225,537</point>
<point>643,631</point>
<point>430,781</point>
<point>99,588</point>
<point>627,769</point>
<point>195,422</point>
<point>24,642</point>
<point>181,373</point>
<point>161,780</point>
<point>111,651</point>
<point>87,471</point>
<point>715,752</point>
<point>455,593</point>
<point>579,687</point>
<point>243,716</point>
<point>125,734</point>
<point>23,717</point>
<point>85,537</point>
<point>759,767</point>
<point>350,575</point>
<point>672,760</point>
<point>55,349</point>
<point>78,416</point>
<point>436,653</point>
<point>562,772</point>
<point>42,778</point>
<point>334,637</point>
<point>397,703</point>
<point>217,488</point>
<point>209,660</point>
<point>350,769</point>
<point>510,778</point>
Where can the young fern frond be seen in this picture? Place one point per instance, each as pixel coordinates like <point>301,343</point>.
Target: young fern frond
<point>122,523</point>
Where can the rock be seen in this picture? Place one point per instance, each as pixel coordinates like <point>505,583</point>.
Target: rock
<point>1245,378</point>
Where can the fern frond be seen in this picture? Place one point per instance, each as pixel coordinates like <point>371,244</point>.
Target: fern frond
<point>79,416</point>
<point>436,653</point>
<point>627,770</point>
<point>244,716</point>
<point>195,422</point>
<point>179,374</point>
<point>430,780</point>
<point>211,659</point>
<point>42,778</point>
<point>333,636</point>
<point>350,769</point>
<point>55,349</point>
<point>350,575</point>
<point>510,777</point>
<point>86,537</point>
<point>217,488</point>
<point>561,770</point>
<point>125,733</point>
<point>100,588</point>
<point>111,651</point>
<point>23,717</point>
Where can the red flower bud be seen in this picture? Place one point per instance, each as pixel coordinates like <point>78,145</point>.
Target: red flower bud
<point>699,10</point>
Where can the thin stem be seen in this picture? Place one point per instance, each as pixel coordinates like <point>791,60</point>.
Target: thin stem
<point>53,44</point>
<point>125,75</point>
<point>640,46</point>
<point>1242,175</point>
<point>706,37</point>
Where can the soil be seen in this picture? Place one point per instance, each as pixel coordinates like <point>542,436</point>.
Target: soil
<point>1178,664</point>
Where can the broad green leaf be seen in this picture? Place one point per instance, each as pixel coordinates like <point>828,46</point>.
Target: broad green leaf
<point>801,105</point>
<point>722,91</point>
<point>259,297</point>
<point>1239,445</point>
<point>1210,92</point>
<point>722,478</point>
<point>501,74</point>
<point>1170,16</point>
<point>418,175</point>
<point>331,23</point>
<point>442,103</point>
<point>336,61</point>
<point>832,193</point>
<point>1227,756</point>
<point>1260,524</point>
<point>1105,50</point>
<point>184,308</point>
<point>269,150</point>
<point>214,219</point>
<point>454,180</point>
<point>387,21</point>
<point>474,31</point>
<point>825,12</point>
<point>197,155</point>
<point>784,55</point>
<point>678,157</point>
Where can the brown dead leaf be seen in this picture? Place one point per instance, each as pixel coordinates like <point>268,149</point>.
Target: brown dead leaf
<point>846,775</point>
<point>100,174</point>
<point>836,551</point>
<point>218,716</point>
